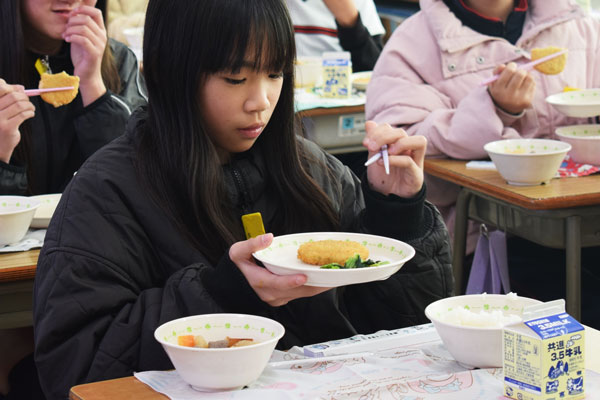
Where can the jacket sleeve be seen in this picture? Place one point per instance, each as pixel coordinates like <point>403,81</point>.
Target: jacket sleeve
<point>401,299</point>
<point>105,119</point>
<point>102,288</point>
<point>364,49</point>
<point>112,317</point>
<point>13,179</point>
<point>398,95</point>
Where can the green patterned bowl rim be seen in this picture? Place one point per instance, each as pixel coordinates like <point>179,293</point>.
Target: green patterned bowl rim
<point>259,326</point>
<point>23,204</point>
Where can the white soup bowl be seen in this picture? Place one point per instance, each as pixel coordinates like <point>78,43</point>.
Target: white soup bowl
<point>213,369</point>
<point>475,346</point>
<point>527,162</point>
<point>584,141</point>
<point>16,213</point>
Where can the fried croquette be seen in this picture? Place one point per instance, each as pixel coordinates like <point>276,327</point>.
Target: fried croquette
<point>330,251</point>
<point>62,79</point>
<point>550,67</point>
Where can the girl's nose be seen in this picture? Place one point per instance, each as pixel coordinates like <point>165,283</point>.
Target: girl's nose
<point>258,99</point>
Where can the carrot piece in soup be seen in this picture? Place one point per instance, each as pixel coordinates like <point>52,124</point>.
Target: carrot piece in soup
<point>234,341</point>
<point>186,340</point>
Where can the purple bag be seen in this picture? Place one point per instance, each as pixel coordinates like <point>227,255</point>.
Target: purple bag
<point>489,272</point>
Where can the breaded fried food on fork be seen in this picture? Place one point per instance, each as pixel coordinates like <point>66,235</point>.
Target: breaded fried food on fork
<point>61,79</point>
<point>323,252</point>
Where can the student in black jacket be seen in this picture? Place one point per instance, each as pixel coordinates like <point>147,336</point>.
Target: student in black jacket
<point>150,227</point>
<point>338,25</point>
<point>42,146</point>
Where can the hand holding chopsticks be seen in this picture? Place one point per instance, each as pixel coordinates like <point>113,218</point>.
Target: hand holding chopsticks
<point>526,67</point>
<point>400,170</point>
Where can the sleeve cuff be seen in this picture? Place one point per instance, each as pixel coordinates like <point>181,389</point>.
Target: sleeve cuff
<point>96,102</point>
<point>229,287</point>
<point>352,36</point>
<point>392,216</point>
<point>506,117</point>
<point>13,179</point>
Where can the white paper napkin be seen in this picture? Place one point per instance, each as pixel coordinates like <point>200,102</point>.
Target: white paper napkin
<point>34,238</point>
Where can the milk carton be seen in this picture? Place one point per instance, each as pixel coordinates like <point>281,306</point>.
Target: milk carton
<point>337,74</point>
<point>544,354</point>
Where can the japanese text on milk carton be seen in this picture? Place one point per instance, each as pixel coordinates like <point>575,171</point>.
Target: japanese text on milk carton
<point>544,354</point>
<point>337,74</point>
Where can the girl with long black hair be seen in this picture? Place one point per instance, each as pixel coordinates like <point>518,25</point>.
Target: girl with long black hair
<point>42,146</point>
<point>150,227</point>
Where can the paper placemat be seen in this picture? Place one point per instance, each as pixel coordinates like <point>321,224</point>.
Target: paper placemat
<point>393,369</point>
<point>33,239</point>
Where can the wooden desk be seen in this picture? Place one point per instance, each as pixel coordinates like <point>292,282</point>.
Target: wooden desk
<point>336,129</point>
<point>122,388</point>
<point>17,271</point>
<point>562,214</point>
<point>131,388</point>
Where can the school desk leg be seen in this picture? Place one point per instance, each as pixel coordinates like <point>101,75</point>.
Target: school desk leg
<point>573,265</point>
<point>461,223</point>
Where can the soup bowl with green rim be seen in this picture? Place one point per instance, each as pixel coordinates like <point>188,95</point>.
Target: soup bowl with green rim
<point>527,162</point>
<point>216,369</point>
<point>582,103</point>
<point>584,141</point>
<point>476,341</point>
<point>16,213</point>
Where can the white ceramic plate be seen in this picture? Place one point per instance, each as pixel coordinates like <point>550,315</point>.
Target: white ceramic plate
<point>577,103</point>
<point>360,80</point>
<point>44,213</point>
<point>281,258</point>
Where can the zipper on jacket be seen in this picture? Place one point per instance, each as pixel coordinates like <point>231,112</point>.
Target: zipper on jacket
<point>241,188</point>
<point>49,153</point>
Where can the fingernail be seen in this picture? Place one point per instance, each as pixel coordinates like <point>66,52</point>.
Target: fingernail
<point>265,238</point>
<point>299,280</point>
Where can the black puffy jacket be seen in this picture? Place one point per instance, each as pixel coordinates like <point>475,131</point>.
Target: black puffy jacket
<point>113,268</point>
<point>64,137</point>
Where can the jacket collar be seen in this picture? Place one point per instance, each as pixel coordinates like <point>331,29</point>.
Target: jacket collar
<point>452,36</point>
<point>510,30</point>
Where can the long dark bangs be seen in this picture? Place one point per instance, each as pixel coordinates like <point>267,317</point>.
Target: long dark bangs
<point>185,41</point>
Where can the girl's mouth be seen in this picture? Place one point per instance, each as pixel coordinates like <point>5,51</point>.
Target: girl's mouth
<point>252,131</point>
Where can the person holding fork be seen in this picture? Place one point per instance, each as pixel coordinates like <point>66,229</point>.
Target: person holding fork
<point>150,229</point>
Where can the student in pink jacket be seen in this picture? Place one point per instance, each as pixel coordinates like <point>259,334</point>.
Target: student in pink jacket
<point>427,78</point>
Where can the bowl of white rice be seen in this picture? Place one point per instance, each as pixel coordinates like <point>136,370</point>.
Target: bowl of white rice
<point>471,325</point>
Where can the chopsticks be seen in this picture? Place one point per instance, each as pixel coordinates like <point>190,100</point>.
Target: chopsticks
<point>527,66</point>
<point>37,92</point>
<point>382,153</point>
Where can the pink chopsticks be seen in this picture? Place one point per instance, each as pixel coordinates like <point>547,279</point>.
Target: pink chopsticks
<point>37,92</point>
<point>527,66</point>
